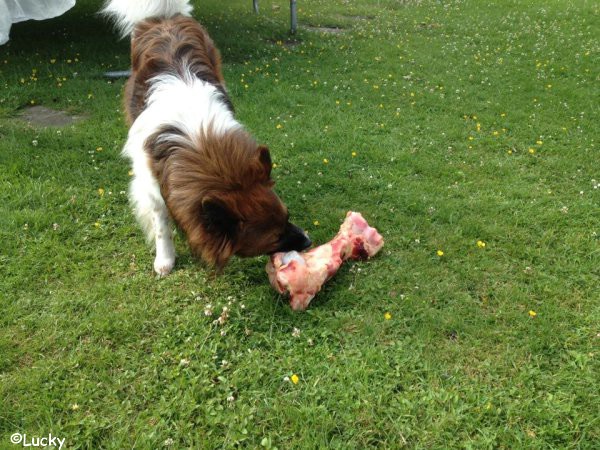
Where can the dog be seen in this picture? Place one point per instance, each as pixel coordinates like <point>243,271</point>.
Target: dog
<point>193,162</point>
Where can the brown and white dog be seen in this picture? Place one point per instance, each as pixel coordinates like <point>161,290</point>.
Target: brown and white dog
<point>192,161</point>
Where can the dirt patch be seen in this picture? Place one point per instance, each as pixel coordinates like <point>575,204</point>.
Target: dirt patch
<point>45,117</point>
<point>286,43</point>
<point>326,30</point>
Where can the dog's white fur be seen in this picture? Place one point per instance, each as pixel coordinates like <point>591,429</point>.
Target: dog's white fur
<point>190,105</point>
<point>187,103</point>
<point>126,13</point>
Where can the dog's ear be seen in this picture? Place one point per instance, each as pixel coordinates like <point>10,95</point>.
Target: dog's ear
<point>265,160</point>
<point>218,219</point>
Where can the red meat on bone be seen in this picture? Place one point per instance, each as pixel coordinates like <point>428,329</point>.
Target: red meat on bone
<point>303,274</point>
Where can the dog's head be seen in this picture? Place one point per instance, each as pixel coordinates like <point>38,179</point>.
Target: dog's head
<point>220,192</point>
<point>250,221</point>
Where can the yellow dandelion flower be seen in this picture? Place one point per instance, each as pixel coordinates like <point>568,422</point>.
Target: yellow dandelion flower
<point>294,378</point>
<point>99,149</point>
<point>97,224</point>
<point>279,126</point>
<point>52,61</point>
<point>316,223</point>
<point>130,173</point>
<point>337,102</point>
<point>495,133</point>
<point>440,253</point>
<point>539,142</point>
<point>387,316</point>
<point>353,154</point>
<point>471,138</point>
<point>100,192</point>
<point>502,114</point>
<point>532,313</point>
<point>274,165</point>
<point>325,161</point>
<point>480,244</point>
<point>510,152</point>
<point>478,126</point>
<point>531,150</point>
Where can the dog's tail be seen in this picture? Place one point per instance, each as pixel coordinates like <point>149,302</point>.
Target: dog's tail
<point>127,13</point>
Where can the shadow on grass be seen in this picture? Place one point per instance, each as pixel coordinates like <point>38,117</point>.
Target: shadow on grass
<point>239,37</point>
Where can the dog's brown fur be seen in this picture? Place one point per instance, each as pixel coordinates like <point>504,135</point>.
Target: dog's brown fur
<point>218,190</point>
<point>217,187</point>
<point>160,46</point>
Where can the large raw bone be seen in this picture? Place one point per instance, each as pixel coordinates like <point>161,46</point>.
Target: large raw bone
<point>303,274</point>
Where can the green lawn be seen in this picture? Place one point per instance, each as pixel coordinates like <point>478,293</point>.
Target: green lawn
<point>444,123</point>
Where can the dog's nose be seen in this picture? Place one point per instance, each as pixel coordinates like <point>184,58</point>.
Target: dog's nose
<point>301,240</point>
<point>294,239</point>
<point>306,242</point>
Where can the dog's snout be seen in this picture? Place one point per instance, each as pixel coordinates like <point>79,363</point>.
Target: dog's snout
<point>294,238</point>
<point>306,242</point>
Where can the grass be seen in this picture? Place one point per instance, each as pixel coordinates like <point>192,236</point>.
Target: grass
<point>469,121</point>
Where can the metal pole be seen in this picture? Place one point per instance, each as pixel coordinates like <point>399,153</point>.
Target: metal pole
<point>255,4</point>
<point>293,16</point>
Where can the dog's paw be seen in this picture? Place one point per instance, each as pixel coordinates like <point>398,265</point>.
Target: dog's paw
<point>163,266</point>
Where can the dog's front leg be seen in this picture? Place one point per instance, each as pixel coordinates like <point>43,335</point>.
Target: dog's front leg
<point>165,249</point>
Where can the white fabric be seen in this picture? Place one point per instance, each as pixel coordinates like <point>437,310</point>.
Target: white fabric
<point>13,11</point>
